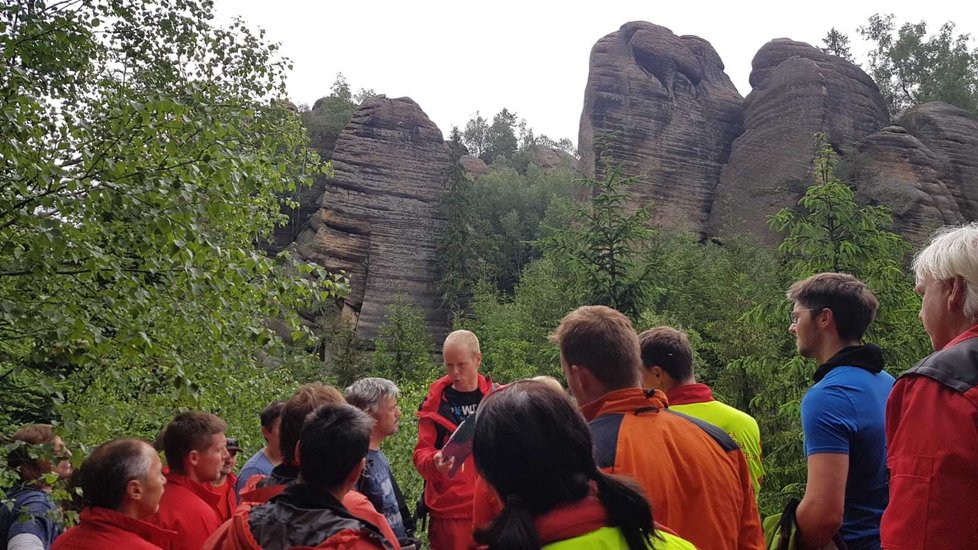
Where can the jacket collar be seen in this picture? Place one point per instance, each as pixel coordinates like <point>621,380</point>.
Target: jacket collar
<point>571,520</point>
<point>202,491</point>
<point>103,519</point>
<point>966,335</point>
<point>690,393</point>
<point>436,393</point>
<point>628,400</point>
<point>868,357</point>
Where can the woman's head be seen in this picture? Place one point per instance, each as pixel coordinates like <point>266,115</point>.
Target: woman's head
<point>531,443</point>
<point>39,451</point>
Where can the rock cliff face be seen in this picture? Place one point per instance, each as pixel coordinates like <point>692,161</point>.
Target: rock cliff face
<point>798,91</point>
<point>895,169</point>
<point>377,218</point>
<point>951,134</point>
<point>662,107</point>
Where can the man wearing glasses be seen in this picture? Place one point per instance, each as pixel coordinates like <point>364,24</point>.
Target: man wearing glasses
<point>842,414</point>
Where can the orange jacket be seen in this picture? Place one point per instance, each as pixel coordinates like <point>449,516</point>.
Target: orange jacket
<point>446,498</point>
<point>693,472</point>
<point>190,509</point>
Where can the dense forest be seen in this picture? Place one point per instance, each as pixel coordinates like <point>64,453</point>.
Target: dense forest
<point>149,154</point>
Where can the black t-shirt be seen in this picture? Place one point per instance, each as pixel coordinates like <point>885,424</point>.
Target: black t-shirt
<point>462,404</point>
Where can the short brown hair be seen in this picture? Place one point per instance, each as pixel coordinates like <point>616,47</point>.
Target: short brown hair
<point>305,400</point>
<point>603,341</point>
<point>189,431</point>
<point>20,458</point>
<point>852,303</point>
<point>669,349</point>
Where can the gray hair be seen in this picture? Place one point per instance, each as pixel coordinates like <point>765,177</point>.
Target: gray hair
<point>953,252</point>
<point>366,393</point>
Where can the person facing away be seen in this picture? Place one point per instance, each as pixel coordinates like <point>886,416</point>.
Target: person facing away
<point>667,361</point>
<point>195,448</point>
<point>29,521</point>
<point>121,486</point>
<point>306,399</point>
<point>269,456</point>
<point>932,413</point>
<point>842,415</point>
<point>450,400</point>
<point>534,449</point>
<point>693,472</point>
<point>378,398</point>
<point>310,513</point>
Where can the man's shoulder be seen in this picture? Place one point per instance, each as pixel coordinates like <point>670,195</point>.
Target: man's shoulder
<point>955,367</point>
<point>720,414</point>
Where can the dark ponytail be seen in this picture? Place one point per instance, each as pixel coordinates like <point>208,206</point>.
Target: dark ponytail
<point>627,509</point>
<point>513,529</point>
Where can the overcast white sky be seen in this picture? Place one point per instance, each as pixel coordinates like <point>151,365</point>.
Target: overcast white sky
<point>458,57</point>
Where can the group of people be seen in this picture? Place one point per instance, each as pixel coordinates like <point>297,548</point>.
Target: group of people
<point>635,453</point>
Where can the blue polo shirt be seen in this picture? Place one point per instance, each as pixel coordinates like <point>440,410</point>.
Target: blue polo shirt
<point>844,413</point>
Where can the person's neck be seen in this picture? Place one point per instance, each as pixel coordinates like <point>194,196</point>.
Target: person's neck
<point>274,457</point>
<point>220,481</point>
<point>830,349</point>
<point>130,509</point>
<point>375,440</point>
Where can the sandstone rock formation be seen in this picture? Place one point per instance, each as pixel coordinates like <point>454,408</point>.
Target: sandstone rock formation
<point>951,134</point>
<point>798,91</point>
<point>895,169</point>
<point>662,107</point>
<point>473,166</point>
<point>378,216</point>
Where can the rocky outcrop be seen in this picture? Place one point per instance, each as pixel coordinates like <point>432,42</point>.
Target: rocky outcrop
<point>377,218</point>
<point>951,134</point>
<point>473,166</point>
<point>895,169</point>
<point>662,107</point>
<point>798,91</point>
<point>549,158</point>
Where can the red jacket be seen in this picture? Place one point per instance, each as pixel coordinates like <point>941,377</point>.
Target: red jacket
<point>342,531</point>
<point>228,498</point>
<point>932,451</point>
<point>357,503</point>
<point>101,529</point>
<point>446,498</point>
<point>190,509</point>
<point>693,472</point>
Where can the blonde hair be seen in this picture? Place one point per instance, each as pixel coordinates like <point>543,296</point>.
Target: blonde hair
<point>464,338</point>
<point>549,380</point>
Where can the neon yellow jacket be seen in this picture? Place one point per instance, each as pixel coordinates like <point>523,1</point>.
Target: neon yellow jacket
<point>610,538</point>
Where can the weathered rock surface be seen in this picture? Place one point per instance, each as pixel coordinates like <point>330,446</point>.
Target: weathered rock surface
<point>551,159</point>
<point>377,218</point>
<point>895,169</point>
<point>473,165</point>
<point>951,134</point>
<point>661,106</point>
<point>798,91</point>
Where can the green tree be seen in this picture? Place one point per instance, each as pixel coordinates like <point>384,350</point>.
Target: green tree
<point>911,67</point>
<point>402,350</point>
<point>837,43</point>
<point>144,152</point>
<point>605,245</point>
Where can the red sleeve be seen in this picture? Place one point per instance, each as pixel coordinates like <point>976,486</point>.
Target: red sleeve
<point>424,451</point>
<point>486,505</point>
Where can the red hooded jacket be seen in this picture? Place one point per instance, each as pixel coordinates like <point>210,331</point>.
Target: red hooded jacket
<point>446,498</point>
<point>101,528</point>
<point>190,509</point>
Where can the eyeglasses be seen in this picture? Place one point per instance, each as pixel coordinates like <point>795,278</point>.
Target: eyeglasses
<point>793,315</point>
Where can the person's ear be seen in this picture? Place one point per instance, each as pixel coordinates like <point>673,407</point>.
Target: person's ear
<point>355,473</point>
<point>134,489</point>
<point>824,318</point>
<point>193,458</point>
<point>957,292</point>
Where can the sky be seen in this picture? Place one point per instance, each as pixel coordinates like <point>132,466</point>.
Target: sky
<point>456,58</point>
